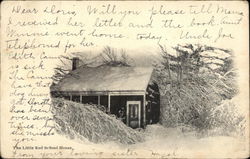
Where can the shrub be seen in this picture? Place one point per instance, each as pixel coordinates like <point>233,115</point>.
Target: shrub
<point>194,84</point>
<point>203,103</point>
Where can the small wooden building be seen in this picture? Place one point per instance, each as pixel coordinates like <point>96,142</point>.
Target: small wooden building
<point>128,92</point>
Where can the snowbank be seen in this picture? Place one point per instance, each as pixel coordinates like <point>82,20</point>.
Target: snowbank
<point>82,121</point>
<point>179,142</point>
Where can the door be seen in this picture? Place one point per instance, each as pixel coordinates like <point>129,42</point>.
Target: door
<point>133,113</point>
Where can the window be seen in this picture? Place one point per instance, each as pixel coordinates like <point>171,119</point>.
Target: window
<point>133,110</point>
<point>90,99</point>
<point>104,100</point>
<point>76,98</point>
<point>66,97</point>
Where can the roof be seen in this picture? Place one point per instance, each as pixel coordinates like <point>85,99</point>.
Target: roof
<point>105,78</point>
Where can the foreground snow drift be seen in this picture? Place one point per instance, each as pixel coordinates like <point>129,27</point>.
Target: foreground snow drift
<point>83,121</point>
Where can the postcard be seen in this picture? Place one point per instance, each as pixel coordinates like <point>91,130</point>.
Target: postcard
<point>124,79</point>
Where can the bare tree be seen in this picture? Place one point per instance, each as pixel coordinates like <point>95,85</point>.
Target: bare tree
<point>112,57</point>
<point>190,59</point>
<point>65,65</point>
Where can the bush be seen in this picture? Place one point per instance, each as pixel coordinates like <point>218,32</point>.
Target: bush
<point>204,102</point>
<point>228,119</point>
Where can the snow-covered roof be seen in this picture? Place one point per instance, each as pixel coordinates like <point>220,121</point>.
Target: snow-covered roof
<point>105,78</point>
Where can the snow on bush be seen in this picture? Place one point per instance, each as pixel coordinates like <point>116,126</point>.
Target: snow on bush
<point>83,121</point>
<point>209,120</point>
<point>227,120</point>
<point>196,85</point>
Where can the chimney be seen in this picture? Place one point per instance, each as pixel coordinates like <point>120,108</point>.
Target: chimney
<point>75,63</point>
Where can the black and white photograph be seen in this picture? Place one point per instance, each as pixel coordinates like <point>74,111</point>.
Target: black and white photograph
<point>124,79</point>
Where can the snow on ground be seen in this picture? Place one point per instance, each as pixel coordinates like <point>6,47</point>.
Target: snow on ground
<point>160,143</point>
<point>188,144</point>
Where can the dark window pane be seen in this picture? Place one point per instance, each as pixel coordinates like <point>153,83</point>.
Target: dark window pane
<point>76,98</point>
<point>90,99</point>
<point>104,100</point>
<point>133,110</point>
<point>66,97</point>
